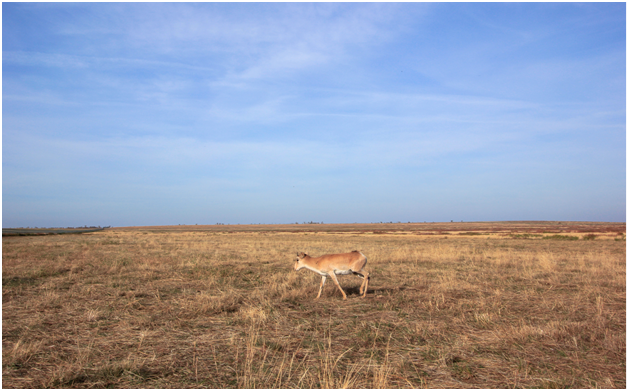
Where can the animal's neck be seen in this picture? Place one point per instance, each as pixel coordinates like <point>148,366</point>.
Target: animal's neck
<point>312,268</point>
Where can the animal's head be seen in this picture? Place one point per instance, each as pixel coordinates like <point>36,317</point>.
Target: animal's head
<point>297,262</point>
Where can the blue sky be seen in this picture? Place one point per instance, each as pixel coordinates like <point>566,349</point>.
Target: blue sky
<point>174,113</point>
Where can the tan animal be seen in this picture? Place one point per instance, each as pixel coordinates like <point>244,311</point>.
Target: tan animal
<point>335,264</point>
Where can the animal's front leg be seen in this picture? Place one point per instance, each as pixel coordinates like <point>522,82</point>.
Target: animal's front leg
<point>333,277</point>
<point>320,290</point>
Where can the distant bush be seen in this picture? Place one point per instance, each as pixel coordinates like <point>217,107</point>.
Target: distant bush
<point>589,237</point>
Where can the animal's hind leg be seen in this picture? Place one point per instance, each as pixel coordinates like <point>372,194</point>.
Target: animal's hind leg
<point>362,277</point>
<point>365,284</point>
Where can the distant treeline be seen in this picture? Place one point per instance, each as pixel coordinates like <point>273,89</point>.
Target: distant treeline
<point>49,231</point>
<point>83,227</point>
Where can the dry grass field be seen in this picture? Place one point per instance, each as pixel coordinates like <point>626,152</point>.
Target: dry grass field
<point>457,305</point>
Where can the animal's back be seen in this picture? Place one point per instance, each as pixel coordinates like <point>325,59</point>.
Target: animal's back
<point>354,260</point>
<point>352,256</point>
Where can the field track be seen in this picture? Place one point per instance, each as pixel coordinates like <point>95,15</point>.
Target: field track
<point>450,305</point>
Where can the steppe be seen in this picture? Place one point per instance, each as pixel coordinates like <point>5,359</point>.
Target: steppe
<point>449,305</point>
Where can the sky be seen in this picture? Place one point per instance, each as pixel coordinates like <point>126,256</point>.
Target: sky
<point>126,114</point>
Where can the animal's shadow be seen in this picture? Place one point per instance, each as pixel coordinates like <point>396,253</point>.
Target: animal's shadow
<point>355,290</point>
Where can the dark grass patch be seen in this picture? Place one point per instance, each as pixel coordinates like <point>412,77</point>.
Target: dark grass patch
<point>560,237</point>
<point>525,236</point>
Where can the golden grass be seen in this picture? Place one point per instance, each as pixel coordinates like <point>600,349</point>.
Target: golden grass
<point>159,308</point>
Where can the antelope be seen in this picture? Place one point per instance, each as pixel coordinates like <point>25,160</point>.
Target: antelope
<point>335,264</point>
